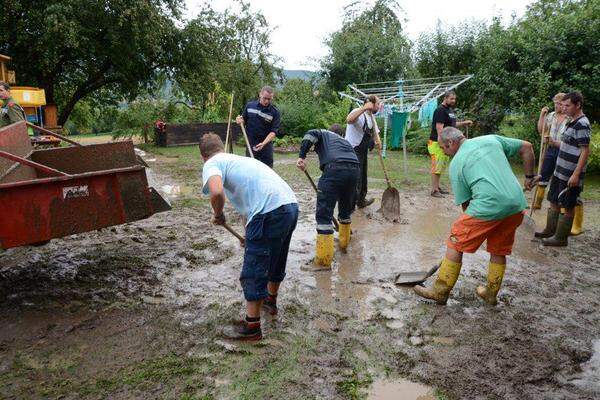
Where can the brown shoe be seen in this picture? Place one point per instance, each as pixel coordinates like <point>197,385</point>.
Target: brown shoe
<point>269,305</point>
<point>244,331</point>
<point>436,193</point>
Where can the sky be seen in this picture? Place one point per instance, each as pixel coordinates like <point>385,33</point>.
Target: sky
<point>302,26</point>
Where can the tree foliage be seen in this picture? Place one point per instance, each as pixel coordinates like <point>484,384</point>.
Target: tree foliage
<point>519,67</point>
<point>73,48</point>
<point>370,47</point>
<point>230,49</point>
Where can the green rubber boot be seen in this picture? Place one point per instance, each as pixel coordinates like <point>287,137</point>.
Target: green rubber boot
<point>551,222</point>
<point>561,237</point>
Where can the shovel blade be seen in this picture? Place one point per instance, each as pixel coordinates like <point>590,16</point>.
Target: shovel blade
<point>412,278</point>
<point>390,204</point>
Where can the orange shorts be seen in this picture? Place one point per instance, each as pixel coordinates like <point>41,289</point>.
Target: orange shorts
<point>468,233</point>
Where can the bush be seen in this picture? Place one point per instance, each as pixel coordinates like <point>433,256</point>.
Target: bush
<point>594,160</point>
<point>416,140</point>
<point>522,127</point>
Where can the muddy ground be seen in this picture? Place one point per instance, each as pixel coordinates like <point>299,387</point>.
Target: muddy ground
<point>134,311</point>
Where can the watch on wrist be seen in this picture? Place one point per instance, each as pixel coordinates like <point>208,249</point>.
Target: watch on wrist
<point>529,176</point>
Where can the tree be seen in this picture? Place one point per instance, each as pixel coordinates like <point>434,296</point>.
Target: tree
<point>370,47</point>
<point>230,49</point>
<point>73,48</point>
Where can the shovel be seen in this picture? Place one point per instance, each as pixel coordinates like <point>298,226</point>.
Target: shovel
<point>310,179</point>
<point>234,233</point>
<point>528,219</point>
<point>413,278</point>
<point>247,141</point>
<point>390,202</point>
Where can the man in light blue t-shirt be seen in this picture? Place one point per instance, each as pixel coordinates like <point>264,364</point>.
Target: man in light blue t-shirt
<point>271,209</point>
<point>492,200</point>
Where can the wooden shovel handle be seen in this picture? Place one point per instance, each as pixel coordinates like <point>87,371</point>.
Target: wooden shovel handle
<point>387,178</point>
<point>247,141</point>
<point>543,147</point>
<point>234,233</point>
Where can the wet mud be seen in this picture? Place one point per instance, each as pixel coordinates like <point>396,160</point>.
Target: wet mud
<point>135,311</point>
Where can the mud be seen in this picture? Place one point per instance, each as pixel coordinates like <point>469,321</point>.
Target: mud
<point>134,311</point>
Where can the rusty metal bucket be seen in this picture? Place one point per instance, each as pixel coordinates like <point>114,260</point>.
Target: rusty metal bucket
<point>57,192</point>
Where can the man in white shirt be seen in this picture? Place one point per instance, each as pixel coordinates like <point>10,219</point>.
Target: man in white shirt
<point>360,130</point>
<point>271,209</point>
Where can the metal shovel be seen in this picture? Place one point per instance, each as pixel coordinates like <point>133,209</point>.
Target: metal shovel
<point>390,202</point>
<point>413,278</point>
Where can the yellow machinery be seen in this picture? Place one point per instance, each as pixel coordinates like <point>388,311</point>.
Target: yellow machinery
<point>32,99</point>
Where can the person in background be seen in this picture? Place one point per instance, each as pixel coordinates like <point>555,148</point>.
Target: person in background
<point>566,184</point>
<point>262,121</point>
<point>443,116</point>
<point>361,129</point>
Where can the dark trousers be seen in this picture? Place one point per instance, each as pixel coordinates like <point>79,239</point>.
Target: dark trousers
<point>336,185</point>
<point>362,151</point>
<point>548,165</point>
<point>265,155</point>
<point>268,239</point>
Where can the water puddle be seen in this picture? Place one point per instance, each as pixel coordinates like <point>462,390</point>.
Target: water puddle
<point>384,389</point>
<point>171,190</point>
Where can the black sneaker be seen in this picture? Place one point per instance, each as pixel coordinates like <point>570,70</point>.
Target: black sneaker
<point>244,331</point>
<point>436,193</point>
<point>443,191</point>
<point>270,305</point>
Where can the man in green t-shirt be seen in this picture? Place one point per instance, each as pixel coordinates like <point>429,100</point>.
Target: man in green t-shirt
<point>492,201</point>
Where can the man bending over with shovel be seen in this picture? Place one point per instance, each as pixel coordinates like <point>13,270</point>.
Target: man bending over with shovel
<point>271,208</point>
<point>340,167</point>
<point>492,201</point>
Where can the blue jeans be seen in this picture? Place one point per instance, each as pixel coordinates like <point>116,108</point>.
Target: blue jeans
<point>268,239</point>
<point>336,185</point>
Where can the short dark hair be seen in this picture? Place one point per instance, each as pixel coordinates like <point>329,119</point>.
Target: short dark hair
<point>336,128</point>
<point>5,85</point>
<point>575,97</point>
<point>210,144</point>
<point>449,93</point>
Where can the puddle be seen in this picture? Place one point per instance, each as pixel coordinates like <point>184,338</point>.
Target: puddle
<point>384,389</point>
<point>171,190</point>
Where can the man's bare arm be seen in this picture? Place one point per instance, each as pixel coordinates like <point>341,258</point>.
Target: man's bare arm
<point>217,198</point>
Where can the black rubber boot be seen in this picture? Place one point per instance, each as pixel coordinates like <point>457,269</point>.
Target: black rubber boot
<point>247,330</point>
<point>364,203</point>
<point>551,222</point>
<point>561,237</point>
<point>270,304</point>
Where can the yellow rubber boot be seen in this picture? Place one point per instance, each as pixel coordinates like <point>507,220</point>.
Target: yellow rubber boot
<point>539,197</point>
<point>446,279</point>
<point>344,235</point>
<point>494,281</point>
<point>324,255</point>
<point>577,228</point>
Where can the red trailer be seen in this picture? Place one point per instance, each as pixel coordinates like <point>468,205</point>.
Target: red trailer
<point>52,193</point>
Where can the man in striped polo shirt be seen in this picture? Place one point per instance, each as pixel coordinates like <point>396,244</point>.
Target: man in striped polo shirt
<point>567,181</point>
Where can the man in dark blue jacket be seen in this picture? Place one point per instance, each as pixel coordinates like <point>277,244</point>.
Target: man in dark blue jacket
<point>262,121</point>
<point>337,184</point>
